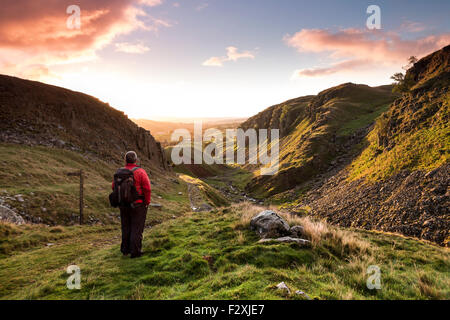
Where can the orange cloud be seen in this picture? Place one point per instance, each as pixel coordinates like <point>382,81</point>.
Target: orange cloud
<point>151,3</point>
<point>35,34</point>
<point>232,55</point>
<point>361,47</point>
<point>127,47</point>
<point>346,65</point>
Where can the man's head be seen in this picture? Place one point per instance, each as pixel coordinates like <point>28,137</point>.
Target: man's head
<point>130,157</point>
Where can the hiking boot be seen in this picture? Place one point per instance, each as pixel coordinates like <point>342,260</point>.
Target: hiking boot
<point>136,255</point>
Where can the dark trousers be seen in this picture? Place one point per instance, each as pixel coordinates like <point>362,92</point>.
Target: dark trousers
<point>133,222</point>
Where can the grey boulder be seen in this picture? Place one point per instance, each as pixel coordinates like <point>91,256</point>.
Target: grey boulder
<point>297,232</point>
<point>283,287</point>
<point>268,224</point>
<point>304,295</point>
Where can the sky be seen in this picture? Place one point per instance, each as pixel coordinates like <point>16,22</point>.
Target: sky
<point>159,59</point>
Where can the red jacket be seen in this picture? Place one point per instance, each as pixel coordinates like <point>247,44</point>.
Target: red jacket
<point>141,182</point>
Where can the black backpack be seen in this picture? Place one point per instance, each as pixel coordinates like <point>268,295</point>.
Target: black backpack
<point>124,193</point>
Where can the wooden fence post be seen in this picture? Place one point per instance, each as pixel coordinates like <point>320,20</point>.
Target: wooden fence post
<point>81,175</point>
<point>81,196</point>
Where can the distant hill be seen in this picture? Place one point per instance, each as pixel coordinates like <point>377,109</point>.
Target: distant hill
<point>315,129</point>
<point>162,130</point>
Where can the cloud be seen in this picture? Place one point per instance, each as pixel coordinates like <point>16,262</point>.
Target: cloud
<point>232,55</point>
<point>411,26</point>
<point>215,62</point>
<point>361,47</point>
<point>151,3</point>
<point>346,65</point>
<point>33,35</point>
<point>127,47</point>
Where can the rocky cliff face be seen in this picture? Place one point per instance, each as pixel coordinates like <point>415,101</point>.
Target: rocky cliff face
<point>425,106</point>
<point>34,113</point>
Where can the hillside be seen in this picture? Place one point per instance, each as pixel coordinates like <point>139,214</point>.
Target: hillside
<point>33,113</point>
<point>390,176</point>
<point>46,132</point>
<point>400,180</point>
<point>314,130</point>
<point>35,185</point>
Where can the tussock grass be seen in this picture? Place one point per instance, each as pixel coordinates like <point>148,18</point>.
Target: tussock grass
<point>318,232</point>
<point>246,211</point>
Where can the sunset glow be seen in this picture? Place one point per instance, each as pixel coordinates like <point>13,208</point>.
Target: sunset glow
<point>161,58</point>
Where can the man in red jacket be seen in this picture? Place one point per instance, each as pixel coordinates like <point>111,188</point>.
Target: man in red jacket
<point>133,218</point>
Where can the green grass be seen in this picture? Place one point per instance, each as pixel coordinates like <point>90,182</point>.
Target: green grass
<point>29,261</point>
<point>425,148</point>
<point>363,120</point>
<point>215,256</point>
<point>39,174</point>
<point>21,238</point>
<point>204,193</point>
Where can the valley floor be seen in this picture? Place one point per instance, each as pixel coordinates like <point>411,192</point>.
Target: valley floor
<point>214,255</point>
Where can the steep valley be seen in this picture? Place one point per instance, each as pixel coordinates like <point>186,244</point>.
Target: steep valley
<point>352,157</point>
<point>363,170</point>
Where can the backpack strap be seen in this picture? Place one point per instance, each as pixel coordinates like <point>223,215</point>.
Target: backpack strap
<point>141,196</point>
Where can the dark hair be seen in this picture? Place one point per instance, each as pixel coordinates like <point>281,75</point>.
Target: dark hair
<point>131,157</point>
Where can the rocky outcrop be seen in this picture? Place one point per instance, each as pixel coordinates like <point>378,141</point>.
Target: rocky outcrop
<point>297,231</point>
<point>283,287</point>
<point>424,106</point>
<point>431,71</point>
